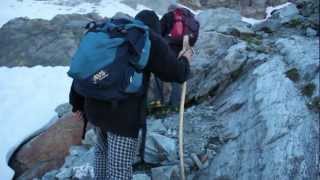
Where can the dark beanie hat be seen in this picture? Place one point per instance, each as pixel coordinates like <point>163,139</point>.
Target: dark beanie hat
<point>150,19</point>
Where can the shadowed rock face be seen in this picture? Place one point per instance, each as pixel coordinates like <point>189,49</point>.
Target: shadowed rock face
<point>26,42</point>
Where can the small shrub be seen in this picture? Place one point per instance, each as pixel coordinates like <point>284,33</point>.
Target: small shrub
<point>294,23</point>
<point>252,39</point>
<point>267,30</point>
<point>293,74</point>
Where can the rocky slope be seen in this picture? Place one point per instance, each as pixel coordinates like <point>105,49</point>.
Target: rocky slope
<point>254,98</point>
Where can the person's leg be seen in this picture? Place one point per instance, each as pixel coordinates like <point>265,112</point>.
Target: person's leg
<point>100,155</point>
<point>121,154</point>
<point>158,90</point>
<point>175,94</point>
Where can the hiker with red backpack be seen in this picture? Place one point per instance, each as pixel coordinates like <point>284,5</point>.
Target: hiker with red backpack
<point>110,72</point>
<point>175,24</point>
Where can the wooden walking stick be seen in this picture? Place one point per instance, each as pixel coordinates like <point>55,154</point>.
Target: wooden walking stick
<point>186,47</point>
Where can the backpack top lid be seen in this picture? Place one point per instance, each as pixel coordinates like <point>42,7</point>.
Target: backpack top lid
<point>99,46</point>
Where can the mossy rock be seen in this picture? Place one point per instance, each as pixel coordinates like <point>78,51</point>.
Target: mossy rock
<point>256,40</point>
<point>314,104</point>
<point>267,30</point>
<point>160,111</point>
<point>308,89</point>
<point>293,74</point>
<point>294,23</point>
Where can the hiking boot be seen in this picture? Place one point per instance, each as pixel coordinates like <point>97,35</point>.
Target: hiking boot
<point>156,104</point>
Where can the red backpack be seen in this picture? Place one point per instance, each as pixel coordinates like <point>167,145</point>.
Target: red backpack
<point>184,23</point>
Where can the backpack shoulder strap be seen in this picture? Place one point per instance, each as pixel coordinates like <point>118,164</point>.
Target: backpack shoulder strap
<point>138,37</point>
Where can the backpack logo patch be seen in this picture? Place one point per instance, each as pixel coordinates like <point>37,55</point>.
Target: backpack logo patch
<point>100,76</point>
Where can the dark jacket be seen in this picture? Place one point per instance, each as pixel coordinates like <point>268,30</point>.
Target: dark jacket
<point>129,116</point>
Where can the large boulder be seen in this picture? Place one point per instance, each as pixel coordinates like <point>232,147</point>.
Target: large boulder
<point>277,135</point>
<point>302,53</point>
<point>223,20</point>
<point>218,58</point>
<point>279,17</point>
<point>26,42</point>
<point>47,150</point>
<point>78,165</point>
<point>159,149</point>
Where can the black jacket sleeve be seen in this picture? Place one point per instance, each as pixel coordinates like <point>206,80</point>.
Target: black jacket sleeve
<point>166,23</point>
<point>76,100</point>
<point>164,63</point>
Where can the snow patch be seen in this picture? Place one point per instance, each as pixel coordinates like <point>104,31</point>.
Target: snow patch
<point>28,97</point>
<point>11,9</point>
<point>269,11</point>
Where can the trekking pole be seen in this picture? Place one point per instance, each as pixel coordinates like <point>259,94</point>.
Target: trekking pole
<point>181,113</point>
<point>186,46</point>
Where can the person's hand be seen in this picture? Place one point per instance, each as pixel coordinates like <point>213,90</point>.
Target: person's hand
<point>188,54</point>
<point>186,51</point>
<point>78,115</point>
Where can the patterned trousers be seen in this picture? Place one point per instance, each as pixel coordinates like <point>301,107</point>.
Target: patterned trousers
<point>114,156</point>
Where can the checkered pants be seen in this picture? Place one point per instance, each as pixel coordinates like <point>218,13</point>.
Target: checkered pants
<point>114,156</point>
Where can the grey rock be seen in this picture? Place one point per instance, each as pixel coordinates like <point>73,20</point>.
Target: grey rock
<point>196,160</point>
<point>156,126</point>
<point>165,173</point>
<point>209,4</point>
<point>53,42</point>
<point>141,177</point>
<point>309,8</point>
<point>50,175</point>
<point>63,109</point>
<point>281,146</point>
<point>214,64</point>
<point>83,172</point>
<point>159,148</point>
<point>278,18</point>
<point>286,14</point>
<point>90,138</point>
<point>79,156</point>
<point>270,25</point>
<point>65,173</point>
<point>237,55</point>
<point>254,9</point>
<point>223,20</point>
<point>311,32</point>
<point>79,165</point>
<point>301,53</point>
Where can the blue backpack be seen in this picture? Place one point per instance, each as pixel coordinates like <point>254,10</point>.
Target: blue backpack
<point>109,61</point>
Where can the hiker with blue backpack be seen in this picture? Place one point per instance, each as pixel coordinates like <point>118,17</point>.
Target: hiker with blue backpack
<point>175,24</point>
<point>110,72</point>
